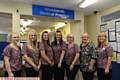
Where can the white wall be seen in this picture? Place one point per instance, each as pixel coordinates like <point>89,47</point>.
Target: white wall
<point>77,26</point>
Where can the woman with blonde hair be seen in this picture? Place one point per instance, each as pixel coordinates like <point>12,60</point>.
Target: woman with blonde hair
<point>31,55</point>
<point>72,58</point>
<point>104,59</point>
<point>12,56</point>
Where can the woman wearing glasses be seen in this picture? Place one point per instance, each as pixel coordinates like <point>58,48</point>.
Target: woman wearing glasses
<point>12,57</point>
<point>72,58</point>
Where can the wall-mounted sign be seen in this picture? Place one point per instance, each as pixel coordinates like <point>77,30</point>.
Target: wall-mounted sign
<point>52,12</point>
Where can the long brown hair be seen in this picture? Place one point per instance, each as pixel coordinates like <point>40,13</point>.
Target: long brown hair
<point>43,41</point>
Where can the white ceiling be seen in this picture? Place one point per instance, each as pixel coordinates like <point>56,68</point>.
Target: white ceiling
<point>54,3</point>
<point>101,5</point>
<point>71,4</point>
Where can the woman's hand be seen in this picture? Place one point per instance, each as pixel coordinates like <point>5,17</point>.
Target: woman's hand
<point>10,74</point>
<point>59,65</point>
<point>39,65</point>
<point>36,67</point>
<point>71,67</point>
<point>107,71</point>
<point>90,68</point>
<point>51,63</point>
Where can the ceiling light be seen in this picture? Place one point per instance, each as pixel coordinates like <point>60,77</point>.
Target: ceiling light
<point>25,22</point>
<point>60,25</point>
<point>87,3</point>
<point>48,30</point>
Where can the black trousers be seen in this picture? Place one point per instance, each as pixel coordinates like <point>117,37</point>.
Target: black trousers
<point>87,75</point>
<point>15,73</point>
<point>71,74</point>
<point>47,72</point>
<point>59,72</point>
<point>30,72</point>
<point>102,76</point>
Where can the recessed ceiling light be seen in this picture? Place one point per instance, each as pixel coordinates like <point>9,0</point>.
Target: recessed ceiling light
<point>25,22</point>
<point>59,25</point>
<point>87,3</point>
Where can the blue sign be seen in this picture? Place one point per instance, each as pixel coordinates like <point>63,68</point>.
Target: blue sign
<point>2,46</point>
<point>52,12</point>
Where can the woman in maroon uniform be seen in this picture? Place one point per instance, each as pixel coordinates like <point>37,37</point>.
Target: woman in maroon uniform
<point>31,55</point>
<point>12,57</point>
<point>59,47</point>
<point>46,57</point>
<point>72,58</point>
<point>104,59</point>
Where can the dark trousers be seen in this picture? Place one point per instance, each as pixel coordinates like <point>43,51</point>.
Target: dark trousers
<point>102,76</point>
<point>59,72</point>
<point>15,73</point>
<point>71,74</point>
<point>47,72</point>
<point>87,75</point>
<point>30,72</point>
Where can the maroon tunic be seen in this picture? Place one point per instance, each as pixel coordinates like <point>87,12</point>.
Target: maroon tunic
<point>71,53</point>
<point>57,50</point>
<point>32,53</point>
<point>14,58</point>
<point>49,53</point>
<point>103,54</point>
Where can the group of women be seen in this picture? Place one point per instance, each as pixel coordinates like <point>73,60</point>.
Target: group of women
<point>59,56</point>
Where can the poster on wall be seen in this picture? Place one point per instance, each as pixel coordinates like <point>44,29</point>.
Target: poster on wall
<point>118,36</point>
<point>118,57</point>
<point>117,26</point>
<point>106,32</point>
<point>111,25</point>
<point>103,27</point>
<point>118,47</point>
<point>111,36</point>
<point>114,45</point>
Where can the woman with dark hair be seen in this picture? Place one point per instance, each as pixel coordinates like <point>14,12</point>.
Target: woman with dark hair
<point>46,57</point>
<point>31,55</point>
<point>12,57</point>
<point>58,46</point>
<point>104,59</point>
